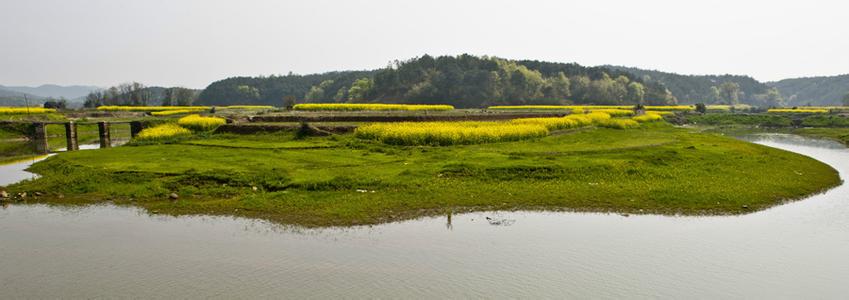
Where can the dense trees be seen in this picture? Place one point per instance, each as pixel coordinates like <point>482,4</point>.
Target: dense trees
<point>319,92</point>
<point>712,89</point>
<point>178,96</point>
<point>360,89</point>
<point>137,94</point>
<point>846,100</point>
<point>463,81</point>
<point>727,93</point>
<point>60,103</point>
<point>124,94</point>
<point>269,90</point>
<point>772,98</point>
<point>825,90</point>
<point>470,81</point>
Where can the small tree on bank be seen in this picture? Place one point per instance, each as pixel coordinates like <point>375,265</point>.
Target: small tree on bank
<point>701,108</point>
<point>289,102</point>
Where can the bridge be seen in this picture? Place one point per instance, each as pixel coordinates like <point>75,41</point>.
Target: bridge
<point>38,133</point>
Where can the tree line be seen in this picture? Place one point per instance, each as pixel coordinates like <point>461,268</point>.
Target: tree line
<point>466,81</point>
<point>471,81</point>
<point>822,90</point>
<point>713,89</point>
<point>463,81</point>
<point>137,94</point>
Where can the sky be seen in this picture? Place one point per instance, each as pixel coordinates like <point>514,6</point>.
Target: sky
<point>192,43</point>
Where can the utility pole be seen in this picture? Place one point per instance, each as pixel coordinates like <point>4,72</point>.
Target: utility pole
<point>26,100</point>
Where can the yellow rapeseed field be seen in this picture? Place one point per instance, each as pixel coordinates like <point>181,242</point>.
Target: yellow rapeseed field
<point>612,112</point>
<point>567,122</point>
<point>171,112</point>
<point>528,107</point>
<point>248,107</point>
<point>671,107</point>
<point>360,107</point>
<point>200,123</point>
<point>648,117</point>
<point>468,132</point>
<point>162,131</point>
<point>448,133</point>
<point>580,108</point>
<point>618,123</point>
<point>662,113</point>
<point>150,108</point>
<point>24,110</point>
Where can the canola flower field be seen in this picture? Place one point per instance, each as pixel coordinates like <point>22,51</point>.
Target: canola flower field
<point>648,117</point>
<point>184,126</point>
<point>172,110</point>
<point>167,130</point>
<point>200,123</point>
<point>151,108</point>
<point>449,133</point>
<point>476,132</point>
<point>248,107</point>
<point>591,107</point>
<point>370,107</point>
<point>24,110</point>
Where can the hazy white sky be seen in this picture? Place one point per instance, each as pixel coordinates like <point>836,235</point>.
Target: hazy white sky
<point>194,42</point>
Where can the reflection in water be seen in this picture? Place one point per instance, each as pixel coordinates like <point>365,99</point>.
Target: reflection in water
<point>797,250</point>
<point>15,172</point>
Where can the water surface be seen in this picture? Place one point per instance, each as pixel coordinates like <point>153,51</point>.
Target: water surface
<point>15,172</point>
<point>797,250</point>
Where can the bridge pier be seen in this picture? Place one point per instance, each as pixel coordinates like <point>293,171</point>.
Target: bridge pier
<point>71,136</point>
<point>103,130</point>
<point>135,128</point>
<point>39,138</point>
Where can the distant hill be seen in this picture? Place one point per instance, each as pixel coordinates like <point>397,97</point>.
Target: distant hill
<point>13,98</point>
<point>698,88</point>
<point>823,90</point>
<point>465,81</point>
<point>271,90</point>
<point>74,92</point>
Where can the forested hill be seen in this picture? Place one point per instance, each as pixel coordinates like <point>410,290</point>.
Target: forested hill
<point>14,98</point>
<point>272,89</point>
<point>825,90</point>
<point>72,92</point>
<point>464,81</point>
<point>712,88</point>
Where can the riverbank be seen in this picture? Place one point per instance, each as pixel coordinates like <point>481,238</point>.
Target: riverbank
<point>837,134</point>
<point>794,250</point>
<point>340,180</point>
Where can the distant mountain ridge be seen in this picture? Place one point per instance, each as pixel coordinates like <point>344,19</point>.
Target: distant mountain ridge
<point>465,81</point>
<point>688,89</point>
<point>73,92</point>
<point>13,98</point>
<point>820,90</point>
<point>698,88</point>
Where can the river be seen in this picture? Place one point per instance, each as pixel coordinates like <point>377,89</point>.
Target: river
<point>796,250</point>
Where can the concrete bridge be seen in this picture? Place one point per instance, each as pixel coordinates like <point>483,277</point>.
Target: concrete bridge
<point>38,134</point>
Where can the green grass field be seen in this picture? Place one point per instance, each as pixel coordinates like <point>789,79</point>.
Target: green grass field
<point>342,180</point>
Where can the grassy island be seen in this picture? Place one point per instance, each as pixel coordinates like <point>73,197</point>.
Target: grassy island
<point>346,180</point>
